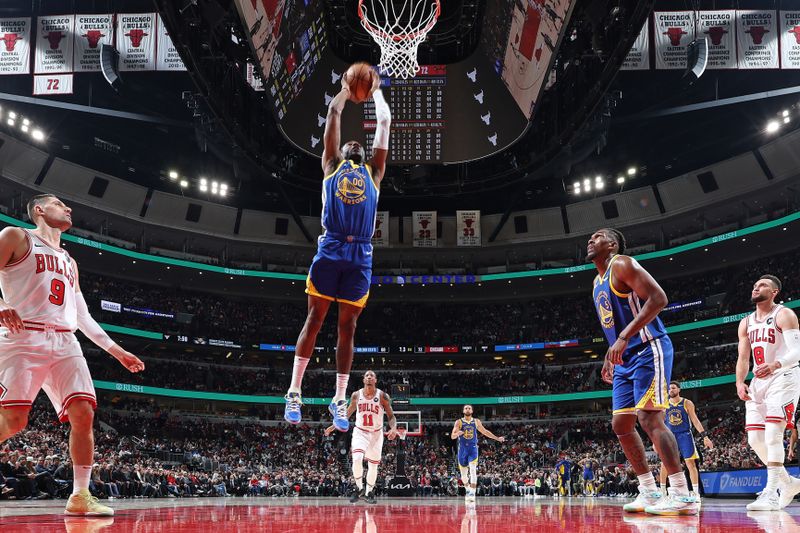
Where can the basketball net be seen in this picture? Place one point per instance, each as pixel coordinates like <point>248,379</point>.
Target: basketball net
<point>399,31</point>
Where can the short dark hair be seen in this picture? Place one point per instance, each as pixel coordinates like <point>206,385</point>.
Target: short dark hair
<point>617,236</point>
<point>774,279</point>
<point>675,383</point>
<point>39,199</point>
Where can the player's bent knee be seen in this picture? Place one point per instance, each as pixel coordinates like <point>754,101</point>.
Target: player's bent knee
<point>623,424</point>
<point>16,418</point>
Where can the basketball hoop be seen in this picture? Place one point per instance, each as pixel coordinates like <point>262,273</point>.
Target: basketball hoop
<point>401,432</point>
<point>399,32</point>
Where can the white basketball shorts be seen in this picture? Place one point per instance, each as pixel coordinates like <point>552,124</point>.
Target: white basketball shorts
<point>370,443</point>
<point>34,360</point>
<point>774,399</point>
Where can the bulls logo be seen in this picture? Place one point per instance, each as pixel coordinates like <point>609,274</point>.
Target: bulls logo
<point>604,311</point>
<point>757,33</point>
<point>716,33</point>
<point>424,223</point>
<point>11,40</point>
<point>788,412</point>
<point>796,32</point>
<point>136,37</point>
<point>54,38</point>
<point>675,35</point>
<point>94,36</point>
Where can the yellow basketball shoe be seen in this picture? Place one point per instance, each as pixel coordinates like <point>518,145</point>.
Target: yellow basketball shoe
<point>84,504</point>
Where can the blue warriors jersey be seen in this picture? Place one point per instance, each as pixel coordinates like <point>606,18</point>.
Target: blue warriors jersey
<point>677,418</point>
<point>563,468</point>
<point>470,436</point>
<point>349,203</point>
<point>616,310</point>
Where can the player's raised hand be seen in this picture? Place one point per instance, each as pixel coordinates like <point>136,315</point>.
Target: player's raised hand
<point>10,319</point>
<point>607,373</point>
<point>743,391</point>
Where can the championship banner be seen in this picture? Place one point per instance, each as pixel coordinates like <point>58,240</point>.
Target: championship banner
<point>468,228</point>
<point>15,45</point>
<point>381,235</point>
<point>52,84</point>
<point>168,58</point>
<point>757,39</point>
<point>674,31</point>
<point>54,39</point>
<point>91,31</point>
<point>790,39</point>
<point>719,28</point>
<point>424,227</point>
<point>638,57</point>
<point>136,41</point>
<point>253,80</point>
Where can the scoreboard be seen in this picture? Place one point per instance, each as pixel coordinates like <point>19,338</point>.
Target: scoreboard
<point>418,116</point>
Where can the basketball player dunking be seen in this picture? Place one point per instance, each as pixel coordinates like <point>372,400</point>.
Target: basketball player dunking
<point>771,336</point>
<point>369,403</point>
<point>342,268</point>
<point>680,417</point>
<point>42,306</point>
<point>638,364</point>
<point>466,431</point>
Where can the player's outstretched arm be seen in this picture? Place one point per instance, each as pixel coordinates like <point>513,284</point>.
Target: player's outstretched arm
<point>488,433</point>
<point>386,402</point>
<point>331,155</point>
<point>95,333</point>
<point>689,404</point>
<point>743,362</point>
<point>456,430</point>
<point>788,325</point>
<point>351,408</point>
<point>380,146</point>
<point>13,245</point>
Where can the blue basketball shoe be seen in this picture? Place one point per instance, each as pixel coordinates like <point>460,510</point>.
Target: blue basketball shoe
<point>291,413</point>
<point>339,412</point>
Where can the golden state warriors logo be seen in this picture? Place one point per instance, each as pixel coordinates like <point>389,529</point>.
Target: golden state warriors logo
<point>469,433</point>
<point>604,310</point>
<point>351,188</point>
<point>675,417</point>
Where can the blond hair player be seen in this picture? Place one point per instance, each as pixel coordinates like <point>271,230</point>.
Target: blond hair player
<point>41,308</point>
<point>770,335</point>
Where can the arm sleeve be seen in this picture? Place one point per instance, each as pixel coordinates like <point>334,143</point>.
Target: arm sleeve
<point>384,117</point>
<point>89,327</point>
<point>791,337</point>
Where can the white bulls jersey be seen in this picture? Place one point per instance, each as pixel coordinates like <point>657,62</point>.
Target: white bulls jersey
<point>766,338</point>
<point>369,411</point>
<point>40,286</point>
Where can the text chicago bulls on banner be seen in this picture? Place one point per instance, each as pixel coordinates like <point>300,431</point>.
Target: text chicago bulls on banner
<point>790,39</point>
<point>168,58</point>
<point>468,228</point>
<point>719,28</point>
<point>674,31</point>
<point>136,41</point>
<point>424,227</point>
<point>638,57</point>
<point>381,235</point>
<point>15,45</point>
<point>91,31</point>
<point>54,44</point>
<point>757,39</point>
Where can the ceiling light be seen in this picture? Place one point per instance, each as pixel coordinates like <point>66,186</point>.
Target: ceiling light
<point>203,188</point>
<point>598,178</point>
<point>203,181</point>
<point>632,171</point>
<point>26,121</point>
<point>173,175</point>
<point>38,135</point>
<point>184,183</point>
<point>224,186</point>
<point>773,126</point>
<point>620,180</point>
<point>587,188</point>
<point>577,185</point>
<point>11,122</point>
<point>24,128</point>
<point>214,184</point>
<point>223,192</point>
<point>12,114</point>
<point>786,120</point>
<point>599,185</point>
<point>587,182</point>
<point>785,113</point>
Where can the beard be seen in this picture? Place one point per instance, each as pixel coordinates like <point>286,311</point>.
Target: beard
<point>759,298</point>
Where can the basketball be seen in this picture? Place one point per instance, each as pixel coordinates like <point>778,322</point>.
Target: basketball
<point>359,78</point>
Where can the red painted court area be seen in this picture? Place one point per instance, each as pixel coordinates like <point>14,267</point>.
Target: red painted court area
<point>396,516</point>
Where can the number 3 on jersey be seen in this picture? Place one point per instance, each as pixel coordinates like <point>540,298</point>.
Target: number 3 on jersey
<point>57,291</point>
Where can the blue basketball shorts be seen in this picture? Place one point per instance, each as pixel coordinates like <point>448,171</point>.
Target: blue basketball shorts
<point>686,445</point>
<point>642,381</point>
<point>467,455</point>
<point>341,272</point>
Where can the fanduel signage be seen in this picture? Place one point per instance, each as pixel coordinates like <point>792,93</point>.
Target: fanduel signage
<point>738,482</point>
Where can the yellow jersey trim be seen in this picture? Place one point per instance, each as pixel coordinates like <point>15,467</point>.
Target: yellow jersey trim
<point>626,410</point>
<point>332,174</point>
<point>611,277</point>
<point>312,291</point>
<point>361,302</point>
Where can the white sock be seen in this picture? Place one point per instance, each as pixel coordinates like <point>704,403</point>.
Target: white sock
<point>369,490</point>
<point>677,484</point>
<point>358,470</point>
<point>81,475</point>
<point>647,481</point>
<point>359,484</point>
<point>774,476</point>
<point>299,368</point>
<point>372,476</point>
<point>341,386</point>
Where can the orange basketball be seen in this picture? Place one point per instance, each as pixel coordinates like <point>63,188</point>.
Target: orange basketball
<point>359,77</point>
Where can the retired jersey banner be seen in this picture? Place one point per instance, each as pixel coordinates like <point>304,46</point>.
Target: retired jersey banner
<point>424,227</point>
<point>468,228</point>
<point>790,39</point>
<point>15,45</point>
<point>136,41</point>
<point>168,58</point>
<point>91,31</point>
<point>720,29</point>
<point>757,39</point>
<point>381,235</point>
<point>52,84</point>
<point>54,44</point>
<point>638,57</point>
<point>674,30</point>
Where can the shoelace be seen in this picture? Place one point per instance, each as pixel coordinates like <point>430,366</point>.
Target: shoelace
<point>293,403</point>
<point>341,409</point>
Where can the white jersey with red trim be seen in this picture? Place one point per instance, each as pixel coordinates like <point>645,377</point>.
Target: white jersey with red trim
<point>369,411</point>
<point>766,338</point>
<point>40,286</point>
